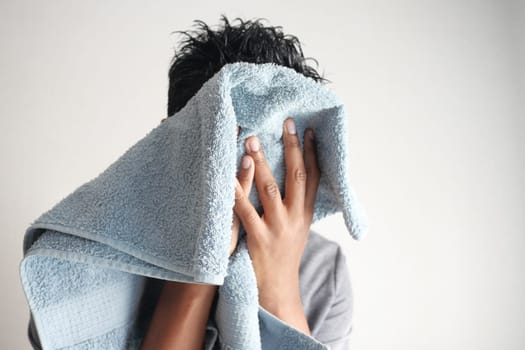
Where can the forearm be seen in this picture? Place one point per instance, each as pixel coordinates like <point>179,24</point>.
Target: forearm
<point>180,317</point>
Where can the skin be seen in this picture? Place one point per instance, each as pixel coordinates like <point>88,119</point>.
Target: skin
<point>276,242</point>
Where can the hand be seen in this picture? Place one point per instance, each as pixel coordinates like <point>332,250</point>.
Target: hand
<point>276,241</point>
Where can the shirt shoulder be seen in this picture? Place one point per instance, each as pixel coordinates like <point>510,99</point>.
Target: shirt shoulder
<point>326,291</point>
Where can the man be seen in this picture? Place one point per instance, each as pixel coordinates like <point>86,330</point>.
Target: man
<point>311,290</point>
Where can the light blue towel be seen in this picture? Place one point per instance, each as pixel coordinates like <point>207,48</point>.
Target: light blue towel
<point>164,209</point>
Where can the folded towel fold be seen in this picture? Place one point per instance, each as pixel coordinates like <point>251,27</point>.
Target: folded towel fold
<point>164,210</point>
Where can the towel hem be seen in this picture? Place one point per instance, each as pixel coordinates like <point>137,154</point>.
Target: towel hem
<point>198,277</point>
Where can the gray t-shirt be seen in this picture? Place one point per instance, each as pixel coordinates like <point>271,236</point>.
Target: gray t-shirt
<point>326,294</point>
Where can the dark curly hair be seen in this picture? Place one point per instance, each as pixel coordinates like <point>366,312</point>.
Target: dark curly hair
<point>203,54</point>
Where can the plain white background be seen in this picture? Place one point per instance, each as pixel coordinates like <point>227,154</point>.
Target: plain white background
<point>435,95</point>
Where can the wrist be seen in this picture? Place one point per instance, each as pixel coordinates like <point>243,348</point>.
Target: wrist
<point>280,302</point>
<point>285,304</point>
<point>291,313</point>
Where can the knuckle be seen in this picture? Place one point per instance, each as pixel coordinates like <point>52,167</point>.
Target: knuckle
<point>251,218</point>
<point>308,212</point>
<point>280,230</point>
<point>259,159</point>
<point>271,189</point>
<point>239,193</point>
<point>310,149</point>
<point>239,196</point>
<point>300,175</point>
<point>243,176</point>
<point>312,168</point>
<point>293,142</point>
<point>308,168</point>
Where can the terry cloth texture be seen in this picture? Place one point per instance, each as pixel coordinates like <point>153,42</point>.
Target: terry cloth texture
<point>326,294</point>
<point>164,210</point>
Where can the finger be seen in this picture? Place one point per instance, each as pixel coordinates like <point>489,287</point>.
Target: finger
<point>245,174</point>
<point>245,177</point>
<point>295,184</point>
<point>250,219</point>
<point>267,187</point>
<point>312,171</point>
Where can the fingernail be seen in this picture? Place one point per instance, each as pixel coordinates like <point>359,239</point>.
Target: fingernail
<point>245,162</point>
<point>254,145</point>
<point>311,134</point>
<point>290,126</point>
